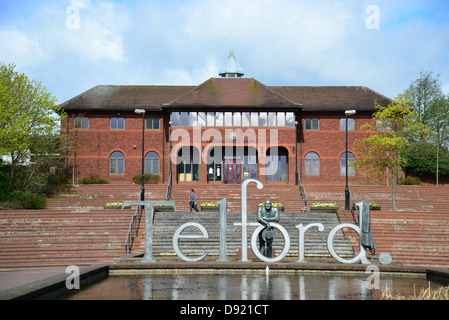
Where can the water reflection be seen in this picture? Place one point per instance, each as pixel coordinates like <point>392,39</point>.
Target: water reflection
<point>245,287</point>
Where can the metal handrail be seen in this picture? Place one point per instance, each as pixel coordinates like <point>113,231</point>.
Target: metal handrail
<point>132,230</point>
<point>168,193</point>
<point>302,190</point>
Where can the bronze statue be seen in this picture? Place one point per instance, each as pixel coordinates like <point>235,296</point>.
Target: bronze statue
<point>265,215</point>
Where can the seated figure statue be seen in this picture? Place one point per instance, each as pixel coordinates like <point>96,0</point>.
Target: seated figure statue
<point>265,215</point>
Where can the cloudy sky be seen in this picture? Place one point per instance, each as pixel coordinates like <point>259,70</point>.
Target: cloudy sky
<point>73,45</point>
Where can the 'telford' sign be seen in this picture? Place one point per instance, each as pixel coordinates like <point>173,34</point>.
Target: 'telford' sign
<point>244,224</point>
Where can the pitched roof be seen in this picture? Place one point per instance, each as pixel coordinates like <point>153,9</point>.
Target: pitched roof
<point>111,97</point>
<point>333,98</point>
<point>229,93</point>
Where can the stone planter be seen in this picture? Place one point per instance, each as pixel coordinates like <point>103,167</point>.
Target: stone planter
<point>374,208</point>
<point>163,208</point>
<point>116,207</point>
<point>324,209</point>
<point>210,208</point>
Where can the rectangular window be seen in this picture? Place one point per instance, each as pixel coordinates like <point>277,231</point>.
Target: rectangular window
<point>210,119</point>
<point>201,119</point>
<point>311,124</point>
<point>228,119</point>
<point>351,124</point>
<point>383,125</point>
<point>184,119</point>
<point>237,119</point>
<point>281,119</point>
<point>81,123</point>
<point>152,123</point>
<point>254,119</point>
<point>263,119</point>
<point>117,123</point>
<point>219,119</point>
<point>245,119</point>
<point>175,119</point>
<point>272,119</point>
<point>193,119</point>
<point>289,119</point>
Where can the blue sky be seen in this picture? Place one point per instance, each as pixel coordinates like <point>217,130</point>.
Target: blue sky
<point>71,46</point>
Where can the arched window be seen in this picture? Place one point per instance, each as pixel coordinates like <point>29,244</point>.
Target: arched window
<point>277,164</point>
<point>152,162</point>
<point>351,169</point>
<point>116,163</point>
<point>312,164</point>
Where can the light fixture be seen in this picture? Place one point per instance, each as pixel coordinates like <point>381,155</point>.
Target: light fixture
<point>350,112</point>
<point>139,111</point>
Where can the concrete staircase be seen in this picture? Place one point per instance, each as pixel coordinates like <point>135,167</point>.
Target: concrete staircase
<point>30,238</point>
<point>75,229</point>
<point>414,238</point>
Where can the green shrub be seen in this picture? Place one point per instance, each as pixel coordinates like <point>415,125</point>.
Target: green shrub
<point>409,181</point>
<point>25,200</point>
<point>148,178</point>
<point>94,179</point>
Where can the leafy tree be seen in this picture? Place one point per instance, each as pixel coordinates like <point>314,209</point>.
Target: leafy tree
<point>422,160</point>
<point>432,107</point>
<point>422,92</point>
<point>28,121</point>
<point>383,149</point>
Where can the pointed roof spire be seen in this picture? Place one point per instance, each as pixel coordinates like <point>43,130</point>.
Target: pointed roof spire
<point>231,68</point>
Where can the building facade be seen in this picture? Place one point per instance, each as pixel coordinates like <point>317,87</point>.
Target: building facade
<point>223,131</point>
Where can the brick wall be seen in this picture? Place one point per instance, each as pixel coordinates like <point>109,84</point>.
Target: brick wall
<point>95,145</point>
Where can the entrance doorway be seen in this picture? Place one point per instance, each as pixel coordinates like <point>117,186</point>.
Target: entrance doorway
<point>232,171</point>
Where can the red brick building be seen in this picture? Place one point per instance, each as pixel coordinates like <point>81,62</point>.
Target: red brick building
<point>222,131</point>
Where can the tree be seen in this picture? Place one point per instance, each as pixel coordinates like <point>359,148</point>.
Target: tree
<point>432,107</point>
<point>439,113</point>
<point>422,160</point>
<point>28,118</point>
<point>384,147</point>
<point>422,92</point>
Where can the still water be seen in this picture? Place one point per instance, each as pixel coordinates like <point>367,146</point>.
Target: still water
<point>201,286</point>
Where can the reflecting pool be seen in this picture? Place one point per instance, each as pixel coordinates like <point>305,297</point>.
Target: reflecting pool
<point>246,286</point>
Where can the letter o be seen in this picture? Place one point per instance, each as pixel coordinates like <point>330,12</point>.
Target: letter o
<point>330,245</point>
<point>286,245</point>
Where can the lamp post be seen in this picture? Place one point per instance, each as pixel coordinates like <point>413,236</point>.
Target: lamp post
<point>296,150</point>
<point>347,197</point>
<point>142,190</point>
<point>169,140</point>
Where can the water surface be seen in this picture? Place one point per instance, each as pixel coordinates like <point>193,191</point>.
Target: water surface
<point>240,286</point>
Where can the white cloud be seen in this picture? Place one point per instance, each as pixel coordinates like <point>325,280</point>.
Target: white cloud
<point>19,48</point>
<point>99,35</point>
<point>282,42</point>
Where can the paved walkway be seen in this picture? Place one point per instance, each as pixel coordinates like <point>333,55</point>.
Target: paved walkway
<point>13,278</point>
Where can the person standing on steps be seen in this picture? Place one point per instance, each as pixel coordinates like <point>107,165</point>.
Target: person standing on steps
<point>193,201</point>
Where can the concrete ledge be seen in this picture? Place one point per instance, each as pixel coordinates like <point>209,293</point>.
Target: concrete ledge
<point>440,275</point>
<point>55,285</point>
